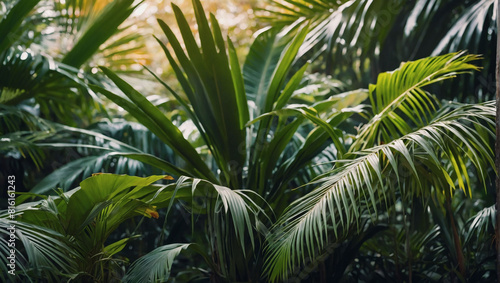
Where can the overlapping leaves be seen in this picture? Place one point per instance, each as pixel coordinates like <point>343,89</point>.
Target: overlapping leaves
<point>430,155</point>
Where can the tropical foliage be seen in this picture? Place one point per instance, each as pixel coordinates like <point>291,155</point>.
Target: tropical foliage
<point>331,154</point>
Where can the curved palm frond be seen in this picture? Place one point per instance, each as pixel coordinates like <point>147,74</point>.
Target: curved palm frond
<point>39,250</point>
<point>399,96</point>
<point>13,119</point>
<point>470,30</point>
<point>478,225</point>
<point>120,147</point>
<point>153,118</point>
<point>285,12</point>
<point>346,33</point>
<point>57,89</point>
<point>96,26</point>
<point>233,215</point>
<point>156,265</point>
<point>19,132</point>
<point>358,39</point>
<point>233,202</point>
<point>441,149</point>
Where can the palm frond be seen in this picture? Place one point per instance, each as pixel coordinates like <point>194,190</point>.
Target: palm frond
<point>283,12</point>
<point>58,90</point>
<point>156,265</point>
<point>38,249</point>
<point>478,225</point>
<point>120,147</point>
<point>470,30</point>
<point>399,100</point>
<point>262,61</point>
<point>152,117</point>
<point>211,80</point>
<point>233,202</point>
<point>357,185</point>
<point>98,31</point>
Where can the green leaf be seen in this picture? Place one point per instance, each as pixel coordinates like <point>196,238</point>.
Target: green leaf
<point>12,21</point>
<point>99,31</point>
<point>211,80</point>
<point>98,189</point>
<point>282,69</point>
<point>156,265</point>
<point>157,122</point>
<point>117,246</point>
<point>402,90</point>
<point>239,86</point>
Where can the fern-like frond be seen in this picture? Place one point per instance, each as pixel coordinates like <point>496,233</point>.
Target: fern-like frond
<point>418,159</point>
<point>38,249</point>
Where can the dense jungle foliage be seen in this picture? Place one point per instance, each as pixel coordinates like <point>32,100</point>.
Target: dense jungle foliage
<point>280,141</point>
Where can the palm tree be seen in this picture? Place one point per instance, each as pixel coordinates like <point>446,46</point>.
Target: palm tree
<point>407,127</point>
<point>412,147</point>
<point>356,40</point>
<point>247,177</point>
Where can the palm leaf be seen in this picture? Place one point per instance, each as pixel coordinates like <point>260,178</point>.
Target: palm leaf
<point>44,250</point>
<point>261,61</point>
<point>151,117</point>
<point>211,80</point>
<point>399,98</point>
<point>100,30</point>
<point>12,21</point>
<point>470,29</point>
<point>156,265</point>
<point>357,185</point>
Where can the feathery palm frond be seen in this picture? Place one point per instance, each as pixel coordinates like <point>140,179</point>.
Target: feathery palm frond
<point>120,147</point>
<point>442,145</point>
<point>399,97</point>
<point>39,250</point>
<point>471,30</point>
<point>234,216</point>
<point>156,265</point>
<point>56,88</point>
<point>355,40</point>
<point>478,225</point>
<point>358,185</point>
